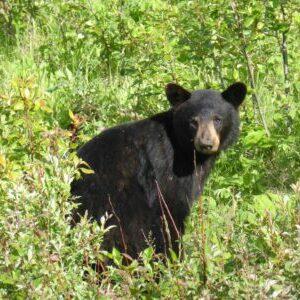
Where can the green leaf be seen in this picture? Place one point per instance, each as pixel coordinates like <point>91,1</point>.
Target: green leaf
<point>263,203</point>
<point>87,171</point>
<point>117,257</point>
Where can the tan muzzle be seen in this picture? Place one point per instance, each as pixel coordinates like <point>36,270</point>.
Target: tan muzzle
<point>207,140</point>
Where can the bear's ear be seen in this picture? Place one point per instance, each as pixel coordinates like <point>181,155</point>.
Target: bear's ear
<point>176,94</point>
<point>235,94</point>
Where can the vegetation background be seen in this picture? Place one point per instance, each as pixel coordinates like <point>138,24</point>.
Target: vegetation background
<point>68,69</point>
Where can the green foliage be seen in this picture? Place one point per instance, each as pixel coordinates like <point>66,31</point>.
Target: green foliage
<point>69,69</point>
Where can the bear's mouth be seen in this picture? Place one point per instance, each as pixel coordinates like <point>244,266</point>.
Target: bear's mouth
<point>206,149</point>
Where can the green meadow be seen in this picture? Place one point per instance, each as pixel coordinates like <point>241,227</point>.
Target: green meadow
<point>69,69</point>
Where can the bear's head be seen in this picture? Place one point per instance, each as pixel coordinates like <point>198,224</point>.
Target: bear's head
<point>205,120</point>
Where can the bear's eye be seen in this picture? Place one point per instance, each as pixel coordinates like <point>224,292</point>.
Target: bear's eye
<point>217,120</point>
<point>194,123</point>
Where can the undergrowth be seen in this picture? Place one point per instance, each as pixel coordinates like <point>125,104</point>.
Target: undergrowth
<point>69,69</point>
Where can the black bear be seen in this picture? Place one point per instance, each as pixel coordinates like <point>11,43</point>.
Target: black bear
<point>148,173</point>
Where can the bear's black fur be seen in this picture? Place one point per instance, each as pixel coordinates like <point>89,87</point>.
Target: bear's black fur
<point>148,173</point>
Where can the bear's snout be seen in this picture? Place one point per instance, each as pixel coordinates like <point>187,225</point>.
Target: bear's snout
<point>207,140</point>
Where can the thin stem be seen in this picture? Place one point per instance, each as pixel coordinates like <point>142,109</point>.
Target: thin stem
<point>201,215</point>
<point>203,254</point>
<point>255,97</point>
<point>284,53</point>
<point>121,229</point>
<point>168,211</point>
